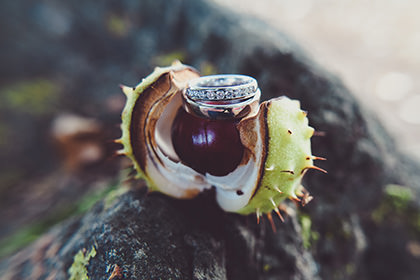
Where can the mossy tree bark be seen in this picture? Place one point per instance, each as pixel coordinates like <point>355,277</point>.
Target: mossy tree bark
<point>362,224</point>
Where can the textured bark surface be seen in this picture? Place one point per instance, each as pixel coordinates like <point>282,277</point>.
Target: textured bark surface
<point>155,237</point>
<point>364,222</point>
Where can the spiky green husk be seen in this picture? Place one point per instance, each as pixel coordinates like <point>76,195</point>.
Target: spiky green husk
<point>277,139</point>
<point>133,95</point>
<point>288,156</point>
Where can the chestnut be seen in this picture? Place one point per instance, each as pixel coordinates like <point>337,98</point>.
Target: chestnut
<point>206,145</point>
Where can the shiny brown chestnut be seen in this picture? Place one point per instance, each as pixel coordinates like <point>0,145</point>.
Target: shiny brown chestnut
<point>207,146</point>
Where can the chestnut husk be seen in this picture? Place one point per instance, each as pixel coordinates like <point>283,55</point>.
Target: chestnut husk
<point>275,136</point>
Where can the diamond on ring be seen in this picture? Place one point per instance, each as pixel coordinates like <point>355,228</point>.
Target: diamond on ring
<point>221,87</point>
<point>221,96</point>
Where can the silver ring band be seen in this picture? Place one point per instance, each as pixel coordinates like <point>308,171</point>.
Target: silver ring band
<point>221,87</point>
<point>222,96</point>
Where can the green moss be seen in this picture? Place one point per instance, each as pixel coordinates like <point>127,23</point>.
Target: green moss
<point>113,195</point>
<point>395,202</point>
<point>308,235</point>
<point>207,68</point>
<point>169,58</point>
<point>90,199</point>
<point>400,196</point>
<point>78,270</point>
<point>305,223</point>
<point>36,97</point>
<point>266,268</point>
<point>117,25</point>
<point>397,207</point>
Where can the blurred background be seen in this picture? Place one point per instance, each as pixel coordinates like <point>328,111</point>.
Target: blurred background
<point>373,46</point>
<point>62,63</point>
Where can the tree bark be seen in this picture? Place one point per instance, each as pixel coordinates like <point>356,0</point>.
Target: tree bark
<point>362,224</point>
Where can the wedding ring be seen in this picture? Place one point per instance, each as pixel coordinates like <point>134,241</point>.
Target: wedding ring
<point>221,96</point>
